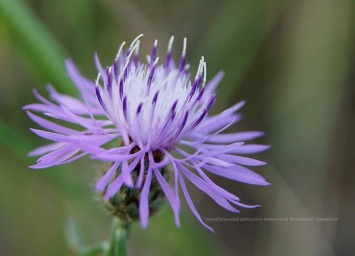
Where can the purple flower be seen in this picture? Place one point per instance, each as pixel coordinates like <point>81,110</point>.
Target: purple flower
<point>154,115</point>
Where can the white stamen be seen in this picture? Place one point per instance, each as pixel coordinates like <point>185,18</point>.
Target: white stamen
<point>204,74</point>
<point>170,45</point>
<point>128,58</point>
<point>137,49</point>
<point>184,48</point>
<point>199,69</point>
<point>97,79</point>
<point>135,41</point>
<point>156,61</point>
<point>119,50</point>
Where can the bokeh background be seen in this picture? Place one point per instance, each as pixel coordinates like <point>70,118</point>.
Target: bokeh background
<point>292,61</point>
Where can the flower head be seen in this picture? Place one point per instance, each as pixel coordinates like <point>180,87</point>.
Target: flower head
<point>158,116</point>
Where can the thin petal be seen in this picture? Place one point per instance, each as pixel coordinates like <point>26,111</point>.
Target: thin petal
<point>249,149</point>
<point>94,139</point>
<point>213,185</point>
<point>201,184</point>
<point>211,85</point>
<point>46,149</point>
<point>50,125</point>
<point>143,201</point>
<point>190,203</point>
<point>238,173</point>
<point>102,183</point>
<point>170,195</point>
<point>63,155</point>
<point>240,160</point>
<point>126,174</point>
<point>212,124</point>
<point>235,137</point>
<point>114,187</point>
<point>215,161</point>
<point>220,149</point>
<point>86,87</point>
<point>40,107</point>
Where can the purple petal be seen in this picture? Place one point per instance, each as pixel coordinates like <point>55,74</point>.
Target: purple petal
<point>66,115</point>
<point>46,149</point>
<point>176,184</point>
<point>201,184</point>
<point>94,139</point>
<point>75,105</point>
<point>40,107</point>
<point>102,183</point>
<point>215,161</point>
<point>246,206</point>
<point>141,173</point>
<point>126,174</point>
<point>235,107</point>
<point>240,160</point>
<point>238,173</point>
<point>42,99</point>
<point>63,155</point>
<point>46,165</point>
<point>213,124</point>
<point>220,149</point>
<point>214,186</point>
<point>98,63</point>
<point>249,149</point>
<point>114,187</point>
<point>50,125</point>
<point>116,156</point>
<point>190,203</point>
<point>235,137</point>
<point>212,85</point>
<point>143,200</point>
<point>175,205</point>
<point>86,87</point>
<point>59,155</point>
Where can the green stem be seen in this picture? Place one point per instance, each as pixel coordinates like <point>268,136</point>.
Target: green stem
<point>119,235</point>
<point>100,248</point>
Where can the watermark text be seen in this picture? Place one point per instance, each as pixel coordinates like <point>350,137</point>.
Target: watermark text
<point>272,219</point>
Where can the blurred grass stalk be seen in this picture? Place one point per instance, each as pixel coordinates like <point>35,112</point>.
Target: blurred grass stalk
<point>234,39</point>
<point>315,63</point>
<point>38,47</point>
<point>46,57</point>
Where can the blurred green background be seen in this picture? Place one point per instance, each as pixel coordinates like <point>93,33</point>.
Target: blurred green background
<point>292,61</point>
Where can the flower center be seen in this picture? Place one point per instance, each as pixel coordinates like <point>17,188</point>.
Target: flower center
<point>154,105</point>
